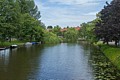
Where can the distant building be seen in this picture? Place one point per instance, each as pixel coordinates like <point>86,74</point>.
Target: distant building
<point>65,29</point>
<point>77,28</point>
<point>49,30</point>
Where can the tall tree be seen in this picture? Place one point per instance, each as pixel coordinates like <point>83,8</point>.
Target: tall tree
<point>19,19</point>
<point>108,28</point>
<point>9,18</point>
<point>28,6</point>
<point>56,30</point>
<point>71,35</point>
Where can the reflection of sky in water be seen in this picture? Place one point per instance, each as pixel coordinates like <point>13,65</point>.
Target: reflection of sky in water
<point>63,62</point>
<point>50,62</point>
<point>4,56</point>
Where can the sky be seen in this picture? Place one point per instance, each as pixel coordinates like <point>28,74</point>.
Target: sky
<point>69,12</point>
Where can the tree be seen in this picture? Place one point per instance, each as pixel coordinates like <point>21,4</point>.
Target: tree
<point>19,19</point>
<point>86,31</point>
<point>29,21</point>
<point>49,27</point>
<point>108,28</point>
<point>83,31</point>
<point>9,17</point>
<point>56,30</point>
<point>42,25</point>
<point>28,6</point>
<point>49,37</point>
<point>71,35</point>
<point>30,27</point>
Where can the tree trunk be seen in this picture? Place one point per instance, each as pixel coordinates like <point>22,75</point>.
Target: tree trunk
<point>31,38</point>
<point>10,39</point>
<point>116,42</point>
<point>107,43</point>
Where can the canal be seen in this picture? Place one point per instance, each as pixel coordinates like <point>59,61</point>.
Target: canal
<point>76,61</point>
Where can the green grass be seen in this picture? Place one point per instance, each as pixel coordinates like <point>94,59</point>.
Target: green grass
<point>6,44</point>
<point>110,51</point>
<point>113,53</point>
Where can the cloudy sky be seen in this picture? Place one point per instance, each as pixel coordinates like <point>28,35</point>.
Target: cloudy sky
<point>69,12</point>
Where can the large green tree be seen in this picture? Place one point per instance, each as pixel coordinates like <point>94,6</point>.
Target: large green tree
<point>30,28</point>
<point>9,18</point>
<point>28,6</point>
<point>108,28</point>
<point>20,19</point>
<point>56,30</point>
<point>87,30</point>
<point>71,35</point>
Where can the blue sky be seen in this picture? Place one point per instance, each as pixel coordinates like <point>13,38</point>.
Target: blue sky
<point>69,12</point>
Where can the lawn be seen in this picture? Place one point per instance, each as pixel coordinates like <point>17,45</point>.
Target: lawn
<point>112,52</point>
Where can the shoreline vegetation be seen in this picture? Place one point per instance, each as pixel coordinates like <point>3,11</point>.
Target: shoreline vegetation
<point>105,28</point>
<point>111,52</point>
<point>8,44</point>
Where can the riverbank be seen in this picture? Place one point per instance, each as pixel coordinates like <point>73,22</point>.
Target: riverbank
<point>7,44</point>
<point>111,52</point>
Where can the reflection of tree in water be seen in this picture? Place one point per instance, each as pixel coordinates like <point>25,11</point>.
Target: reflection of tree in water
<point>20,63</point>
<point>25,62</point>
<point>102,67</point>
<point>86,45</point>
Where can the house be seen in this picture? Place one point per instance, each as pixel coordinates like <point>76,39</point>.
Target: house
<point>77,28</point>
<point>65,29</point>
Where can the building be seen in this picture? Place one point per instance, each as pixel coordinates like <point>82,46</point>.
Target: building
<point>65,29</point>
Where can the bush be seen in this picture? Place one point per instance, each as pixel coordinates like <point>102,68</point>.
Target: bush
<point>49,37</point>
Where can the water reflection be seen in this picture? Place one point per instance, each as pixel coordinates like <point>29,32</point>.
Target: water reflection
<point>56,62</point>
<point>4,57</point>
<point>63,62</point>
<point>17,64</point>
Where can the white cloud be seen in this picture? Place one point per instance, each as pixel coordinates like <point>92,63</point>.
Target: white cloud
<point>69,20</point>
<point>91,13</point>
<point>65,17</point>
<point>68,12</point>
<point>74,1</point>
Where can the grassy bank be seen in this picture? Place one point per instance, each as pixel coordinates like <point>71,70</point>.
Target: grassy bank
<point>112,52</point>
<point>7,44</point>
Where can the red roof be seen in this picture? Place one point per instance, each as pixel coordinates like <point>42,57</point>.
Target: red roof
<point>77,28</point>
<point>65,29</point>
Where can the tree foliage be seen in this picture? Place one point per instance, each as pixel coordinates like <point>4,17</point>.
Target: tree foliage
<point>20,19</point>
<point>49,37</point>
<point>108,27</point>
<point>87,31</point>
<point>71,35</point>
<point>56,30</point>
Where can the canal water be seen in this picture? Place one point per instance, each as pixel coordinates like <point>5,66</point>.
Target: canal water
<point>76,61</point>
